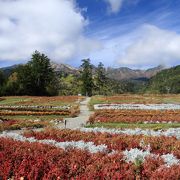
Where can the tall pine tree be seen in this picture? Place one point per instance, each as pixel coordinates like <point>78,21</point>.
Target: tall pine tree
<point>86,77</point>
<point>101,79</point>
<point>36,76</point>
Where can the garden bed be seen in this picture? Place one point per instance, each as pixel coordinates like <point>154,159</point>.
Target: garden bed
<point>67,154</point>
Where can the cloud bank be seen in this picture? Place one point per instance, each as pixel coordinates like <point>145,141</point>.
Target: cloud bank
<point>54,27</point>
<point>152,46</point>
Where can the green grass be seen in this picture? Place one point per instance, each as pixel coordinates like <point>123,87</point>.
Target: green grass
<point>135,125</point>
<point>13,100</point>
<point>171,100</point>
<point>135,99</point>
<point>95,100</point>
<point>34,117</point>
<point>18,100</point>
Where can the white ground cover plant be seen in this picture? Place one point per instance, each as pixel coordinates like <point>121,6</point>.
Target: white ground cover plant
<point>148,132</point>
<point>159,122</point>
<point>138,106</point>
<point>131,155</point>
<point>89,146</point>
<point>135,154</point>
<point>170,159</point>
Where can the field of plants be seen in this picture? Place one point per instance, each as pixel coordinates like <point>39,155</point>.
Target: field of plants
<point>79,154</point>
<point>122,140</point>
<point>36,112</point>
<point>155,112</point>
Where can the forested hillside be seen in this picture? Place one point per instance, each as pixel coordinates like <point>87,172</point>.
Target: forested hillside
<point>166,81</point>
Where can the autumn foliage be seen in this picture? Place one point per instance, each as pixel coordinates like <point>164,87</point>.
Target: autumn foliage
<point>38,161</point>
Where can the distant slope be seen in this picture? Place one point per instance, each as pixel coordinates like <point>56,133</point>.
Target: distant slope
<point>59,68</point>
<point>8,70</point>
<point>125,73</point>
<point>64,68</point>
<point>166,81</point>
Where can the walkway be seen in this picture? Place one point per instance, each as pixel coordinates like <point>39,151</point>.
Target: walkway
<point>77,122</point>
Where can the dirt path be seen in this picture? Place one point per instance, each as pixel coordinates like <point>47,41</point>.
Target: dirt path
<point>77,122</point>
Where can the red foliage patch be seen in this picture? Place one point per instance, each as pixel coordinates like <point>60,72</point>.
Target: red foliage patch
<point>135,116</point>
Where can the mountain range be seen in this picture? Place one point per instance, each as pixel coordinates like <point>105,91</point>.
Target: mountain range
<point>122,73</point>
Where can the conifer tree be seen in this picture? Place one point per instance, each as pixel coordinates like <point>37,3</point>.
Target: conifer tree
<point>86,77</point>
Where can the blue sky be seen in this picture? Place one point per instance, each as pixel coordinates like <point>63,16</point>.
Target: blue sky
<point>132,33</point>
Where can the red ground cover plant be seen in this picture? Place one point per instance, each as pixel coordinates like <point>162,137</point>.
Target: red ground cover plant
<point>120,142</point>
<point>14,113</point>
<point>135,116</point>
<point>38,161</point>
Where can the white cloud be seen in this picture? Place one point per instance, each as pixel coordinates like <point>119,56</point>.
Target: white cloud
<point>54,27</point>
<point>115,5</point>
<point>151,47</point>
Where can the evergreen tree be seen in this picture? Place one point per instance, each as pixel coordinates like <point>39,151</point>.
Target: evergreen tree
<point>86,77</point>
<point>25,80</point>
<point>36,77</point>
<point>2,82</point>
<point>2,78</point>
<point>42,72</point>
<point>101,79</point>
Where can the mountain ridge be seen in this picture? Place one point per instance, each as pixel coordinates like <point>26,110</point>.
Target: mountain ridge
<point>121,73</point>
<point>125,73</point>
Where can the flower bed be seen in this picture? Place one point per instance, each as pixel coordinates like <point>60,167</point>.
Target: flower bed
<point>14,113</point>
<point>135,116</point>
<point>11,124</point>
<point>118,141</point>
<point>38,157</point>
<point>39,110</point>
<point>34,108</point>
<point>29,105</point>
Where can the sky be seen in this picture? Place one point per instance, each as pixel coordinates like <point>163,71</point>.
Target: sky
<point>119,33</point>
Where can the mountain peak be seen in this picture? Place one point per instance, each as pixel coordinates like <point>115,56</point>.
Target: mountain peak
<point>65,68</point>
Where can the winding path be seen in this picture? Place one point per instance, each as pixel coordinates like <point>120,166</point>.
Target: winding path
<point>77,122</point>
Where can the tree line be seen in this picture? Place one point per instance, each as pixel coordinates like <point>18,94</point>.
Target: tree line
<point>38,78</point>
